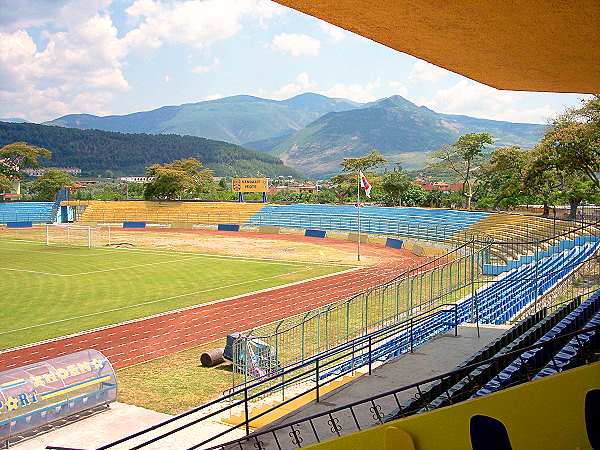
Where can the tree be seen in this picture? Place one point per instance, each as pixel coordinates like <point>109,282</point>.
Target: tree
<point>178,179</point>
<point>547,178</point>
<point>47,186</point>
<point>501,177</point>
<point>575,137</point>
<point>344,186</point>
<point>396,184</point>
<point>364,163</point>
<point>19,155</point>
<point>463,158</point>
<point>5,183</point>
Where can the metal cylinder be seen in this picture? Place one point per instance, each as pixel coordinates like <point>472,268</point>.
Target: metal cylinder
<point>212,357</point>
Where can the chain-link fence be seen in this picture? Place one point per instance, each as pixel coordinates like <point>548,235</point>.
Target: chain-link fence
<point>443,280</point>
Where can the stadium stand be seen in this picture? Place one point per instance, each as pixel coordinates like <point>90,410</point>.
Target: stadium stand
<point>337,426</point>
<point>529,362</point>
<point>421,223</point>
<point>495,303</point>
<point>36,212</point>
<point>210,213</point>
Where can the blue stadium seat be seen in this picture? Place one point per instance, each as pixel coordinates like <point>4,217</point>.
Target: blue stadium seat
<point>36,212</point>
<point>520,367</point>
<point>434,224</point>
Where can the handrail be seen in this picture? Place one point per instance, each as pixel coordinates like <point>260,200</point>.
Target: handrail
<point>460,372</point>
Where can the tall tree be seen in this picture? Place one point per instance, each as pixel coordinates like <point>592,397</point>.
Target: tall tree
<point>47,186</point>
<point>396,185</point>
<point>15,157</point>
<point>183,178</point>
<point>463,158</point>
<point>364,163</point>
<point>575,138</point>
<point>502,175</point>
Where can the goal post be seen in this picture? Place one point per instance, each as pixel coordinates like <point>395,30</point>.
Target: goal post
<point>67,234</point>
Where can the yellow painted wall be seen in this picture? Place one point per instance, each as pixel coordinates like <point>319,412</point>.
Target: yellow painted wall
<point>544,414</point>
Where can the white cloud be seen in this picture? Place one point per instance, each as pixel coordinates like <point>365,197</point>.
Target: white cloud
<point>355,92</point>
<point>478,100</point>
<point>193,22</point>
<point>205,69</point>
<point>301,84</point>
<point>399,88</point>
<point>296,44</point>
<point>424,71</point>
<point>213,97</point>
<point>80,66</point>
<point>336,34</point>
<point>78,70</point>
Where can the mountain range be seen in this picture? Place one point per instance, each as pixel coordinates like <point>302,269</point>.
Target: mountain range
<point>311,132</point>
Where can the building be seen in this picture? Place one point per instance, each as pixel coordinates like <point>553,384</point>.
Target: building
<point>142,180</point>
<point>39,171</point>
<point>439,186</point>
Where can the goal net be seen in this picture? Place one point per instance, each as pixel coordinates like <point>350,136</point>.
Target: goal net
<point>78,235</point>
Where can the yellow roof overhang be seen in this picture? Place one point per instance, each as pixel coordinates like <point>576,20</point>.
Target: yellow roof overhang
<point>532,45</point>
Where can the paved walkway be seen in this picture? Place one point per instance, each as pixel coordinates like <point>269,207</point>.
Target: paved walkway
<point>438,356</point>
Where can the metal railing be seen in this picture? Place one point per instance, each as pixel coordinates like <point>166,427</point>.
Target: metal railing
<point>372,411</point>
<point>310,371</point>
<point>443,280</point>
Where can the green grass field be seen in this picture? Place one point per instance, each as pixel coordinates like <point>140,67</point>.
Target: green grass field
<point>50,291</point>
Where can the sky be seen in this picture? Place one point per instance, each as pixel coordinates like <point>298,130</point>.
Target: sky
<point>103,57</point>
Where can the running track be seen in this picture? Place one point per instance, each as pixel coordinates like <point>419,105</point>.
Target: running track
<point>149,338</point>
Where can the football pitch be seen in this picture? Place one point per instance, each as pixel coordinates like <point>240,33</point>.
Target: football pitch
<point>51,291</point>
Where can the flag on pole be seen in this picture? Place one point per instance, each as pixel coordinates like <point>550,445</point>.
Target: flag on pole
<point>364,183</point>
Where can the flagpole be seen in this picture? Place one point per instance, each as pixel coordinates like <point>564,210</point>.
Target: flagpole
<point>358,213</point>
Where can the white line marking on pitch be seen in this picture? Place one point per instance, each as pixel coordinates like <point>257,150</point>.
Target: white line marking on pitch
<point>153,301</point>
<point>34,271</point>
<point>195,254</point>
<point>95,271</point>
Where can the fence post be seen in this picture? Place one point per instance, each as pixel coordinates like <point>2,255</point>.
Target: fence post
<point>411,334</point>
<point>473,293</point>
<point>317,378</point>
<point>455,319</point>
<point>246,410</point>
<point>370,355</point>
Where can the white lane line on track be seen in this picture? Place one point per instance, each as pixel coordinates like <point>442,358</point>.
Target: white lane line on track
<point>187,294</point>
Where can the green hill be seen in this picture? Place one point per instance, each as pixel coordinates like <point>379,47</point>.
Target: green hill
<point>237,119</point>
<point>95,151</point>
<point>398,128</point>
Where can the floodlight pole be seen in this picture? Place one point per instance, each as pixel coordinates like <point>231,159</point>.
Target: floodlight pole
<point>358,212</point>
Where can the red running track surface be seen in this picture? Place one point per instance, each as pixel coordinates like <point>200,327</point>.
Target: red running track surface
<point>149,338</point>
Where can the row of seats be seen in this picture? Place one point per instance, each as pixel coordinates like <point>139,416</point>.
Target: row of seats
<point>493,376</point>
<point>465,387</point>
<point>572,352</point>
<point>210,213</point>
<point>497,303</point>
<point>435,224</point>
<point>437,388</point>
<point>37,212</point>
<point>530,361</point>
<point>512,291</point>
